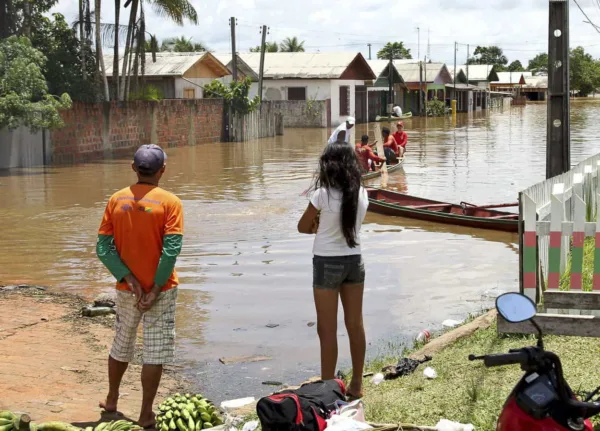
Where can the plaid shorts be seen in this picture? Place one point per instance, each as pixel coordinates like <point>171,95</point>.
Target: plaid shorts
<point>159,328</point>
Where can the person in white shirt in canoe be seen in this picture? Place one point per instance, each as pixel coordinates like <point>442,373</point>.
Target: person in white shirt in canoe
<point>346,126</point>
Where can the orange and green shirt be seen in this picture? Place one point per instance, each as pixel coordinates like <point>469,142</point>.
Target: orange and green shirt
<point>142,234</point>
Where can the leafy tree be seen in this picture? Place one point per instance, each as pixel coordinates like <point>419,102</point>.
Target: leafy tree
<point>24,97</point>
<point>516,66</point>
<point>394,50</point>
<point>181,44</point>
<point>291,44</point>
<point>235,95</point>
<point>584,72</point>
<point>269,47</point>
<point>489,55</point>
<point>64,56</point>
<point>539,63</point>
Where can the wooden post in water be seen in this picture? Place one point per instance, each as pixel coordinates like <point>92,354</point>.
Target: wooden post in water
<point>558,145</point>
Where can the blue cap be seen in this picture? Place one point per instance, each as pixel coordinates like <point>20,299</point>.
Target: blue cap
<point>149,159</point>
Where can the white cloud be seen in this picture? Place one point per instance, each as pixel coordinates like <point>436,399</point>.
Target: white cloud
<point>520,27</point>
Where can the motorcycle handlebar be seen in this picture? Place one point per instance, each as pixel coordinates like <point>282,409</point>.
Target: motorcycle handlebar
<point>496,360</point>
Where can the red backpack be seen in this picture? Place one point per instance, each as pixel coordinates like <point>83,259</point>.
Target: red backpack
<point>304,409</point>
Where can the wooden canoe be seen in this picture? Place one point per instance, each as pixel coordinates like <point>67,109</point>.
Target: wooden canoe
<point>401,205</point>
<point>380,119</point>
<point>390,169</point>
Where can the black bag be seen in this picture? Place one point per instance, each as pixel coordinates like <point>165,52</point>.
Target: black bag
<point>304,409</point>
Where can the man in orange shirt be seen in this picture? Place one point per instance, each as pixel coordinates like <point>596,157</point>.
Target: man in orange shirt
<point>138,241</point>
<point>390,146</point>
<point>401,138</point>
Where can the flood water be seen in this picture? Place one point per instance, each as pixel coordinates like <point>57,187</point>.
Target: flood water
<point>244,266</point>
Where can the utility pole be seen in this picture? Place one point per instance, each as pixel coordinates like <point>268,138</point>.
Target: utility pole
<point>232,24</point>
<point>420,87</point>
<point>428,46</point>
<point>369,45</point>
<point>558,137</point>
<point>455,49</point>
<point>261,69</point>
<point>468,64</point>
<point>390,86</point>
<point>419,42</point>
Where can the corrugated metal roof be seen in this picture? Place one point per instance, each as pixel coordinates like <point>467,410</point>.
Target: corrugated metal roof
<point>536,81</point>
<point>410,71</point>
<point>378,66</point>
<point>508,77</point>
<point>226,58</point>
<point>466,86</point>
<point>459,67</point>
<point>478,72</point>
<point>291,65</point>
<point>167,63</point>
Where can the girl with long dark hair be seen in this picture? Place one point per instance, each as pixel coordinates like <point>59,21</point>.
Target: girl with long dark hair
<point>335,214</point>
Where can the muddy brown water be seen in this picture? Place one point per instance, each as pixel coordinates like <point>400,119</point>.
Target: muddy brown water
<point>244,266</point>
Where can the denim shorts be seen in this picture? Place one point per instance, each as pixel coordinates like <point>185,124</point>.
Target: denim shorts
<point>332,272</point>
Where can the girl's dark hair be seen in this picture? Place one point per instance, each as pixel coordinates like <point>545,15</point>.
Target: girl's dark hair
<point>339,169</point>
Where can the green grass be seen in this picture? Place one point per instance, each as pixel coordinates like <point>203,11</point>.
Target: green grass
<point>466,391</point>
<point>589,247</point>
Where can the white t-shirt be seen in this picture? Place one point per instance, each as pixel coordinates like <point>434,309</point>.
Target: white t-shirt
<point>330,240</point>
<point>397,111</point>
<point>334,135</point>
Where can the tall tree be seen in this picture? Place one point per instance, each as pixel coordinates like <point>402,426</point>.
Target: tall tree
<point>99,50</point>
<point>489,55</point>
<point>584,72</point>
<point>176,10</point>
<point>269,47</point>
<point>539,63</point>
<point>394,50</point>
<point>24,96</point>
<point>291,44</point>
<point>516,66</point>
<point>181,44</point>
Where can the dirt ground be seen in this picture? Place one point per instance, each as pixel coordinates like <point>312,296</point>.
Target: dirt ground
<point>53,362</point>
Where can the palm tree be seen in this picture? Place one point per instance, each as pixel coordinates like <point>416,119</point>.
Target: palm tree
<point>269,47</point>
<point>176,10</point>
<point>99,50</point>
<point>291,44</point>
<point>181,44</point>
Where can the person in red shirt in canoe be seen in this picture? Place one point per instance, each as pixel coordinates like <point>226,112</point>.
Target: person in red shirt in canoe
<point>390,146</point>
<point>401,138</point>
<point>365,154</point>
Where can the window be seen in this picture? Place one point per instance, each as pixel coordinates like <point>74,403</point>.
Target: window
<point>296,93</point>
<point>344,100</point>
<point>440,95</point>
<point>189,93</point>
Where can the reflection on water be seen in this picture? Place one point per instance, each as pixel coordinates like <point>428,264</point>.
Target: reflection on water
<point>244,266</point>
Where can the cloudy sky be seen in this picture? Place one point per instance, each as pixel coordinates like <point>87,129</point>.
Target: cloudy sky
<point>520,27</point>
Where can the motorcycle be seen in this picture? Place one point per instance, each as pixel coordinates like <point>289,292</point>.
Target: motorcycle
<point>542,400</point>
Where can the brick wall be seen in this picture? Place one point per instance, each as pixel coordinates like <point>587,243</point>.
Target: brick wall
<point>101,130</point>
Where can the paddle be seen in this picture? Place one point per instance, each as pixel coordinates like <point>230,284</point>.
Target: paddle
<point>484,207</point>
<point>381,153</point>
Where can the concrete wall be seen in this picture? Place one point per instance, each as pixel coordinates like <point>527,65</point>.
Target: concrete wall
<point>300,113</point>
<point>97,130</point>
<point>20,148</point>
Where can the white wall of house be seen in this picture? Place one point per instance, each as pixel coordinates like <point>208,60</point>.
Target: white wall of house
<point>316,89</point>
<point>336,118</point>
<point>276,89</point>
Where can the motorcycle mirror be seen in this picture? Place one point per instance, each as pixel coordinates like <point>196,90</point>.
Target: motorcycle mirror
<point>515,307</point>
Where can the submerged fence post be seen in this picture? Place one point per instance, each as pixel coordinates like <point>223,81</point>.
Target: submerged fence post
<point>555,259</point>
<point>578,233</point>
<point>530,258</point>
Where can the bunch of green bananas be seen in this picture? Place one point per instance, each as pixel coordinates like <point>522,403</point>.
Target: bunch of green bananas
<point>7,421</point>
<point>187,413</point>
<point>121,425</point>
